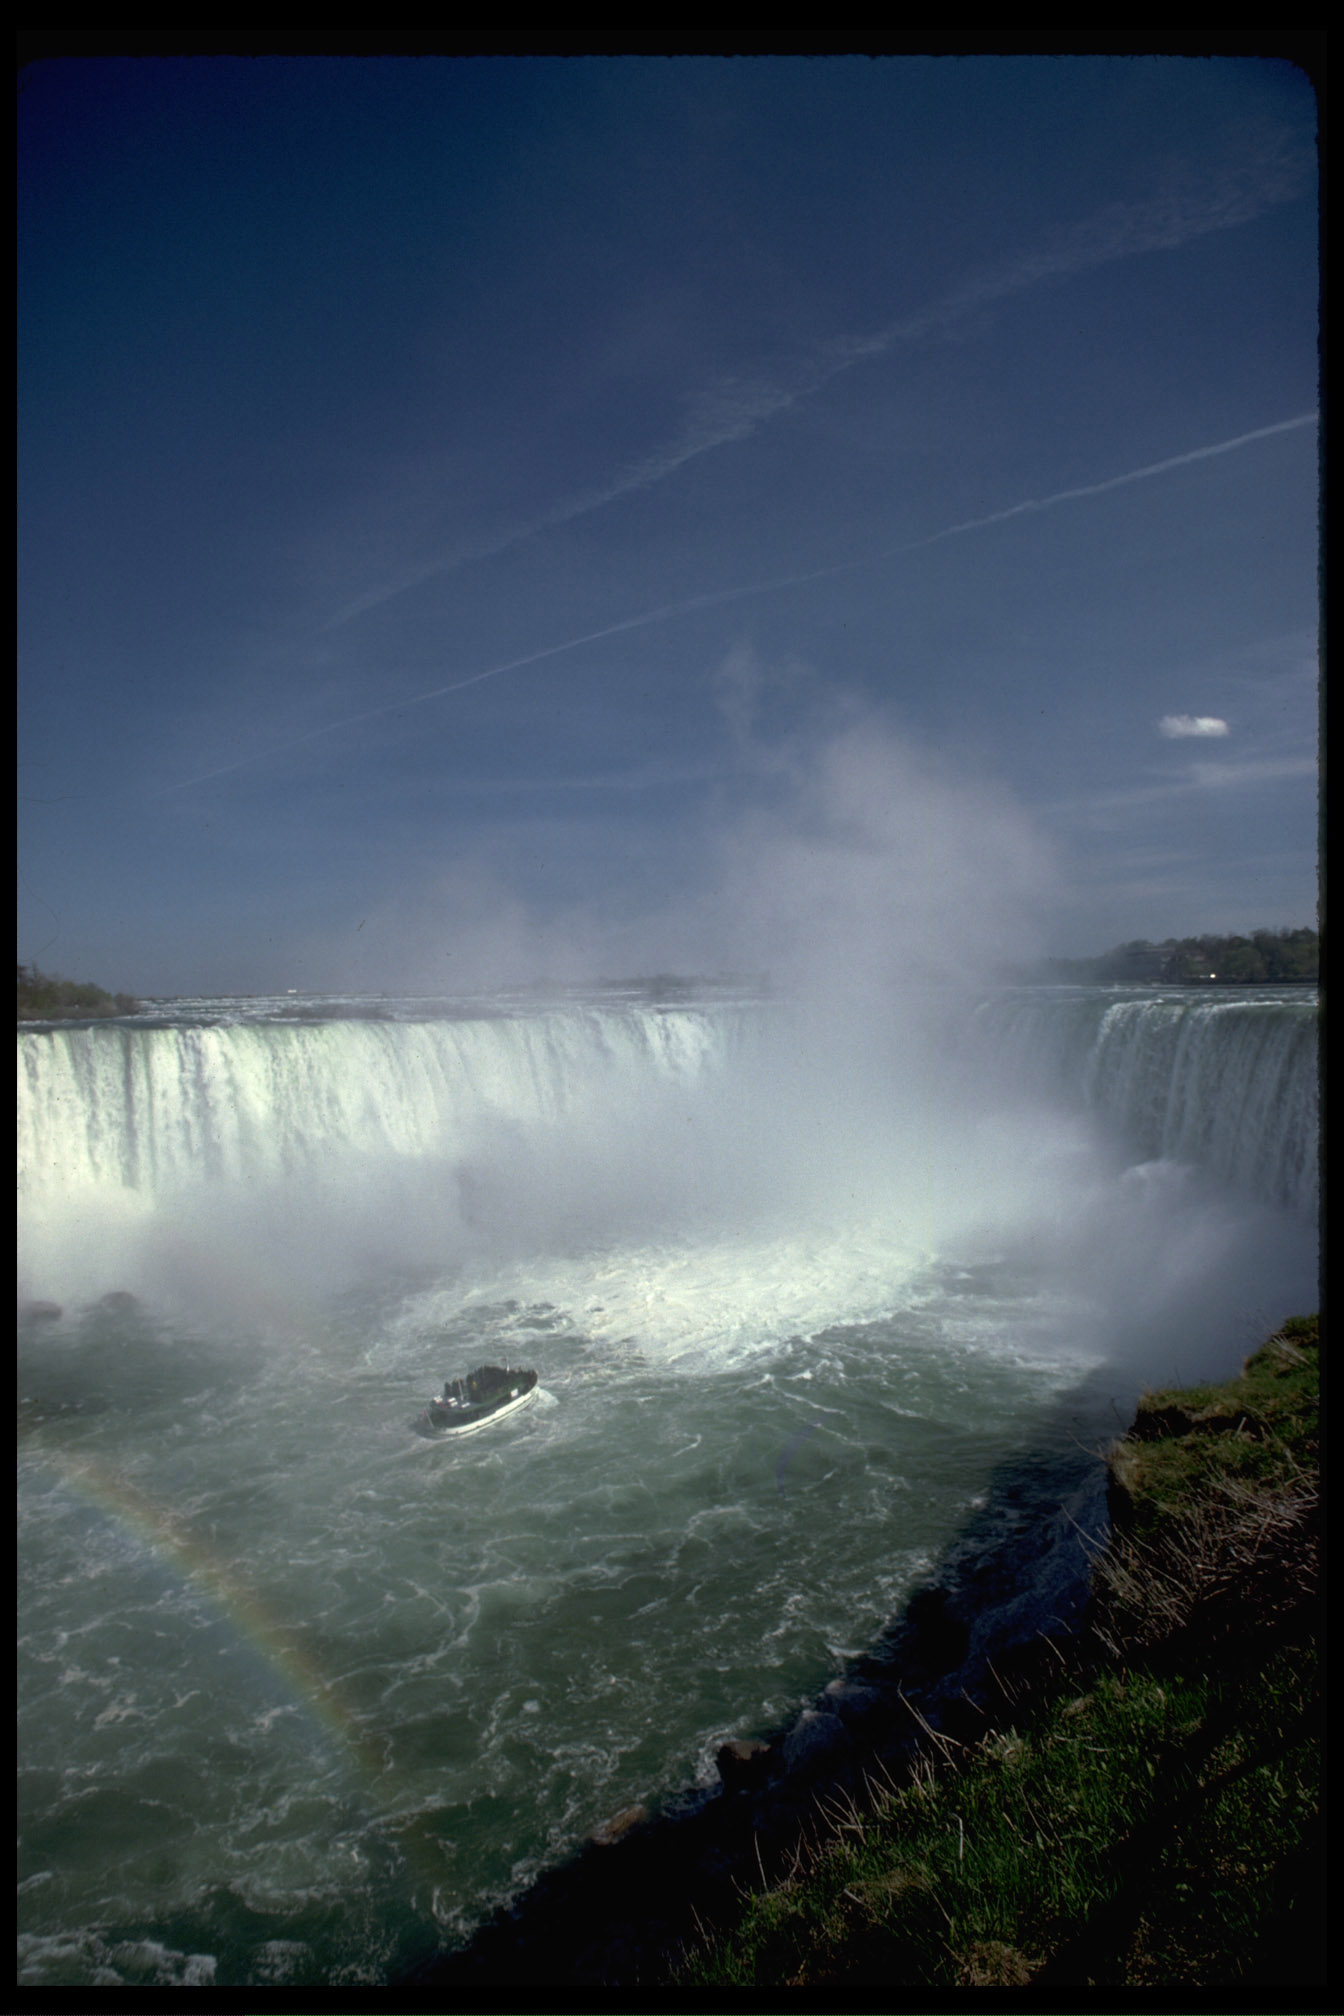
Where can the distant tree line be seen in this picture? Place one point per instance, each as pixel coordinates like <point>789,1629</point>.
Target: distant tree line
<point>45,997</point>
<point>1266,956</point>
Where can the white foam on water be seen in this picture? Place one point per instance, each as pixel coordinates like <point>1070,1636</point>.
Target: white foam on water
<point>796,1303</point>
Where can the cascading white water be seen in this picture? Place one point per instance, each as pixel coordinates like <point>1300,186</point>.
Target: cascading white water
<point>1226,1081</point>
<point>340,1142</point>
<point>156,1109</point>
<point>1230,1083</point>
<point>302,1696</point>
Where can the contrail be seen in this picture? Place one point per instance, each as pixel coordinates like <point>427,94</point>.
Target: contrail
<point>732,409</point>
<point>1116,482</point>
<point>668,610</point>
<point>641,622</point>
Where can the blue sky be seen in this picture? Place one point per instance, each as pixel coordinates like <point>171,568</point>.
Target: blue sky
<point>488,518</point>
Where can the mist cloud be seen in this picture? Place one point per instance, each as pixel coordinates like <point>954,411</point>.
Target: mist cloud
<point>849,864</point>
<point>878,865</point>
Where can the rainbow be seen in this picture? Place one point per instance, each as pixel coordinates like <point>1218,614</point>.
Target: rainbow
<point>359,1751</point>
<point>165,1536</point>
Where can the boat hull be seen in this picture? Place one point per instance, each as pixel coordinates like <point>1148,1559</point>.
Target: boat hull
<point>453,1417</point>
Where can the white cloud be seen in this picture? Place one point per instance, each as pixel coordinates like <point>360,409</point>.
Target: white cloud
<point>1174,725</point>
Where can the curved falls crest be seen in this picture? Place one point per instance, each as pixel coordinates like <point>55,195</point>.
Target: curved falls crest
<point>148,1113</point>
<point>813,1304</point>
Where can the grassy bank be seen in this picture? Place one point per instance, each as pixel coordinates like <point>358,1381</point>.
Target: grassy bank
<point>1153,1818</point>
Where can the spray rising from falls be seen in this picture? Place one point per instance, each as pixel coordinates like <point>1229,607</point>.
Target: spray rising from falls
<point>504,1137</point>
<point>348,1143</point>
<point>811,1298</point>
<point>1229,1083</point>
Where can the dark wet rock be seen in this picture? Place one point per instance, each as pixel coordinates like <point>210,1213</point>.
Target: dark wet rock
<point>633,1896</point>
<point>120,1299</point>
<point>1055,1592</point>
<point>854,1703</point>
<point>1152,1424</point>
<point>944,1639</point>
<point>816,1742</point>
<point>743,1764</point>
<point>619,1826</point>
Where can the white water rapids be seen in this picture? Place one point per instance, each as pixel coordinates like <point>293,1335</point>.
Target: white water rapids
<point>301,1695</point>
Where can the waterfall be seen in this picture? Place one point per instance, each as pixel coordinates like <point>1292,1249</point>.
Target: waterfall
<point>1228,1082</point>
<point>814,1306</point>
<point>339,1144</point>
<point>153,1109</point>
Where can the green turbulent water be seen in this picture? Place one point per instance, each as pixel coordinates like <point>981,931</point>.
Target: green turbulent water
<point>302,1691</point>
<point>303,1695</point>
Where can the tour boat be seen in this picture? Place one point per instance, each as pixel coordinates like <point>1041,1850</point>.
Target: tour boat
<point>485,1395</point>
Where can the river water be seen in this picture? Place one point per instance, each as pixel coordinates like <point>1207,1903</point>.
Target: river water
<point>302,1695</point>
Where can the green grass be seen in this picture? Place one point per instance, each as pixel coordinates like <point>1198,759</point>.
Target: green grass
<point>1216,1508</point>
<point>1133,1837</point>
<point>1256,1430</point>
<point>1156,1823</point>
